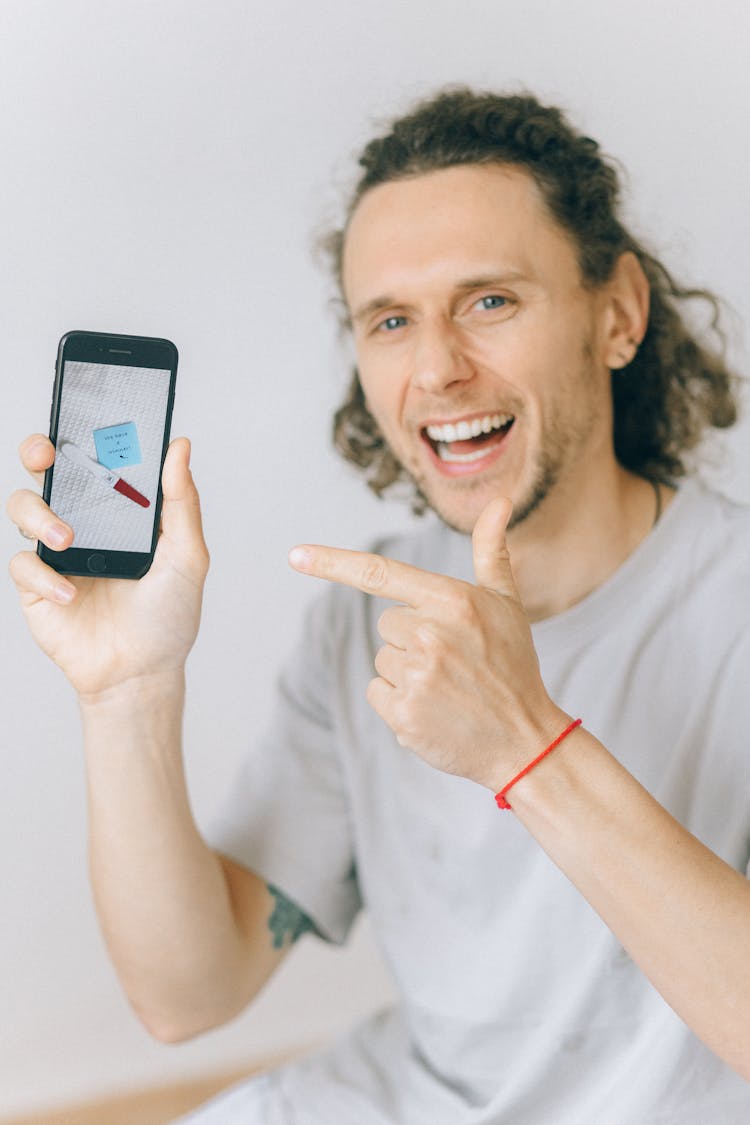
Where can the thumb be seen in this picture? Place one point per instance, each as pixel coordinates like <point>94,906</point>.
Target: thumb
<point>181,512</point>
<point>491,555</point>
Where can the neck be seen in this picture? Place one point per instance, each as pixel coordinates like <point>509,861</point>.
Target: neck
<point>574,542</point>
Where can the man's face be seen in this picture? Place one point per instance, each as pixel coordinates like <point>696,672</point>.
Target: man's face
<point>478,348</point>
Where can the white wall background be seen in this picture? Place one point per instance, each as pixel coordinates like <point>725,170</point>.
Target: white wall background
<point>164,163</point>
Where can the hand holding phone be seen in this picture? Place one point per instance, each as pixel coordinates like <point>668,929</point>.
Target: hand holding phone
<point>104,633</point>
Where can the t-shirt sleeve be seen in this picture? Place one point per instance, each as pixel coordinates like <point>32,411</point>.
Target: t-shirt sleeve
<point>286,815</point>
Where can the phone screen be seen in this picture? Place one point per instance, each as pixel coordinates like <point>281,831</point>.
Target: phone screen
<point>110,416</point>
<point>110,427</point>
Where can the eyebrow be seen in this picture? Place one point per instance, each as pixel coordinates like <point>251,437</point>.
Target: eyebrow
<point>465,285</point>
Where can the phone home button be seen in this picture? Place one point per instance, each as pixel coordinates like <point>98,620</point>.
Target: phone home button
<point>96,563</point>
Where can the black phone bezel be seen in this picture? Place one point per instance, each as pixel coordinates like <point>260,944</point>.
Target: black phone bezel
<point>117,350</point>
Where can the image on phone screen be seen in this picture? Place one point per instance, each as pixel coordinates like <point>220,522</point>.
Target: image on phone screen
<point>110,436</point>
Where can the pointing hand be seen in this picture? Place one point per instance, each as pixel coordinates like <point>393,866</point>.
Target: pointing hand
<point>458,678</point>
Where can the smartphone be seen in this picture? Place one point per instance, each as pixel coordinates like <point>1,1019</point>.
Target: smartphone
<point>110,420</point>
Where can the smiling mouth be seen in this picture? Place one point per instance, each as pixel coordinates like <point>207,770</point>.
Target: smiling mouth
<point>469,441</point>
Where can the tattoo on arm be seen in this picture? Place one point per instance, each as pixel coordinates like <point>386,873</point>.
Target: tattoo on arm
<point>287,921</point>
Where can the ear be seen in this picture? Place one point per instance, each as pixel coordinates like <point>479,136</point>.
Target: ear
<point>626,319</point>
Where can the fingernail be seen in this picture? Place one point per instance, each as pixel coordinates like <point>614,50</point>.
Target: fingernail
<point>300,558</point>
<point>37,448</point>
<point>64,593</point>
<point>56,535</point>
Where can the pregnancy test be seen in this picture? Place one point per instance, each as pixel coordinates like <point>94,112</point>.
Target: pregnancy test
<point>102,473</point>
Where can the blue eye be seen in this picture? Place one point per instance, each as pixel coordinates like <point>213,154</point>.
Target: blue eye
<point>392,322</point>
<point>493,302</point>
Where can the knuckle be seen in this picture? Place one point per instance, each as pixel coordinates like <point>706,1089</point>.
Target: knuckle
<point>406,737</point>
<point>463,608</point>
<point>434,654</point>
<point>16,502</point>
<point>201,555</point>
<point>428,638</point>
<point>374,575</point>
<point>31,448</point>
<point>424,678</point>
<point>25,507</point>
<point>19,570</point>
<point>372,692</point>
<point>383,622</point>
<point>403,717</point>
<point>192,498</point>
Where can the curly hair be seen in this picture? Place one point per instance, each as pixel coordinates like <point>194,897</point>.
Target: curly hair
<point>678,383</point>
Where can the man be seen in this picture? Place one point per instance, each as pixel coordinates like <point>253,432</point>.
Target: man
<point>578,954</point>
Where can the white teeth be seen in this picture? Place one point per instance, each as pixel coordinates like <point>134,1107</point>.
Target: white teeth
<point>446,454</point>
<point>461,431</point>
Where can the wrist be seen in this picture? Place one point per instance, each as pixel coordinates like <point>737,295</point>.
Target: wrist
<point>533,732</point>
<point>555,784</point>
<point>164,689</point>
<point>501,797</point>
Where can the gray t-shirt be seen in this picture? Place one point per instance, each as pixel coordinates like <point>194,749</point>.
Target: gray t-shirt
<point>518,1005</point>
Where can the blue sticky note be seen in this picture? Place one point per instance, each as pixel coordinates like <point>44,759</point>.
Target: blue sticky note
<point>117,446</point>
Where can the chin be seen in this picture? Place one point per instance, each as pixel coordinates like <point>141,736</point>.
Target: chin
<point>461,508</point>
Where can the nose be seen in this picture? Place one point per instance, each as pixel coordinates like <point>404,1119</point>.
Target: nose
<point>438,358</point>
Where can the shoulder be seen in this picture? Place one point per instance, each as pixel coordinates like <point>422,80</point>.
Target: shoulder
<point>717,527</point>
<point>709,565</point>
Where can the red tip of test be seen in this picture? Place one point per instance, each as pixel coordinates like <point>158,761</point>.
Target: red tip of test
<point>132,493</point>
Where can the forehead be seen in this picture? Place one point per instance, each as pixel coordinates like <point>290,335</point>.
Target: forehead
<point>470,218</point>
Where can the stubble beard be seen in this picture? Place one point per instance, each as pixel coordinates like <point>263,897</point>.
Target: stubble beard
<point>562,444</point>
<point>546,475</point>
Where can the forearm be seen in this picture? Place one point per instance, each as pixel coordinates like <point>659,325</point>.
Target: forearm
<point>682,913</point>
<point>162,896</point>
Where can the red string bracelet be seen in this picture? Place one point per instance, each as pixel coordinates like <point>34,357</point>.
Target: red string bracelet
<point>500,797</point>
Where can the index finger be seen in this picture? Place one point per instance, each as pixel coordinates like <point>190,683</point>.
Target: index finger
<point>372,574</point>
